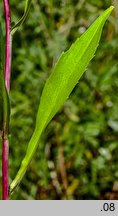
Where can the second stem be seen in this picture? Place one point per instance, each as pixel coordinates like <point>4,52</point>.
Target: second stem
<point>7,69</point>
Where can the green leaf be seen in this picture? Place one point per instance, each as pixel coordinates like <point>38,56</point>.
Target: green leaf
<point>4,105</point>
<point>61,82</point>
<point>23,18</point>
<point>4,99</point>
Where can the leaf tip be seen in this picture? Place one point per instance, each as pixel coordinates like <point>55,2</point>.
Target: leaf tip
<point>111,7</point>
<point>109,10</point>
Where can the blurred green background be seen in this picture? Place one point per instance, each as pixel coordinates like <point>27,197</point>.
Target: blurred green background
<point>78,154</point>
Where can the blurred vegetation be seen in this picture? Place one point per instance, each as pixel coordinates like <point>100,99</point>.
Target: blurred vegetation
<point>77,156</point>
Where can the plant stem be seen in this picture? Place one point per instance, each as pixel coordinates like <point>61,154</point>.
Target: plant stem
<point>7,44</point>
<point>5,177</point>
<point>7,69</point>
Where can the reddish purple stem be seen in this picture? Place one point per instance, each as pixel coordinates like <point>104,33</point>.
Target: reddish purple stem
<point>5,177</point>
<point>5,142</point>
<point>8,44</point>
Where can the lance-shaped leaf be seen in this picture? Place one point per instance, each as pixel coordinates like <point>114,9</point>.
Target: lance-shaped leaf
<point>61,82</point>
<point>23,18</point>
<point>4,99</point>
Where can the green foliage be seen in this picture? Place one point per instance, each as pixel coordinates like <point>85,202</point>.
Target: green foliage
<point>63,79</point>
<point>81,140</point>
